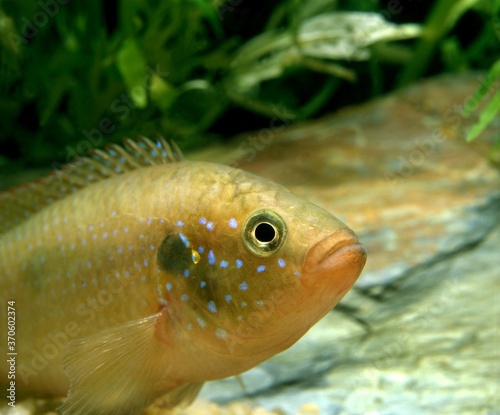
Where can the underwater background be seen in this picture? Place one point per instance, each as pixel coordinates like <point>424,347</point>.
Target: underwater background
<point>77,75</point>
<point>385,113</point>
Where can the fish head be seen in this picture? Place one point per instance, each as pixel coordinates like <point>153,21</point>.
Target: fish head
<point>254,266</point>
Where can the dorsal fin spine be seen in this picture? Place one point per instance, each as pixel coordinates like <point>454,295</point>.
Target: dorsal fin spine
<point>16,205</point>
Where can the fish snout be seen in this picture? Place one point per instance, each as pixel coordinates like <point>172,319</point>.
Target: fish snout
<point>336,259</point>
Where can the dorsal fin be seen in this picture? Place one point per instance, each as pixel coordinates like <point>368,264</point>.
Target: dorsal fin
<point>18,204</point>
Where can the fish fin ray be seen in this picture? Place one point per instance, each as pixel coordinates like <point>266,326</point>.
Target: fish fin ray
<point>181,396</point>
<point>122,369</point>
<point>18,204</point>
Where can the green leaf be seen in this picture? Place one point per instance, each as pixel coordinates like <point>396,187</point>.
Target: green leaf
<point>209,10</point>
<point>163,94</point>
<point>485,118</point>
<point>493,107</point>
<point>133,68</point>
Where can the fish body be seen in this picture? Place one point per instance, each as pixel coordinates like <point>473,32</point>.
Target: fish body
<point>136,278</point>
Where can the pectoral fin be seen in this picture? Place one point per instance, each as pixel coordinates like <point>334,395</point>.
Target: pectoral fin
<point>118,370</point>
<point>181,396</point>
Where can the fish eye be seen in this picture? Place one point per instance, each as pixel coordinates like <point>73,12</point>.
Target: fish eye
<point>264,232</point>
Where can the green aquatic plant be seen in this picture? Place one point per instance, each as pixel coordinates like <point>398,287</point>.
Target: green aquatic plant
<point>490,92</point>
<point>77,75</point>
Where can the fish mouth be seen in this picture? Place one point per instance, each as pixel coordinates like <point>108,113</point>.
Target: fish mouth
<point>339,257</point>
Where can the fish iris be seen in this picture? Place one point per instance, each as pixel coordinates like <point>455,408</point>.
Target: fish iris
<point>264,232</point>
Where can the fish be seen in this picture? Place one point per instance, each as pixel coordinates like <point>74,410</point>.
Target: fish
<point>132,276</point>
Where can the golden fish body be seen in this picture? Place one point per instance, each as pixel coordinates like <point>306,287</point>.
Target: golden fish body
<point>143,284</point>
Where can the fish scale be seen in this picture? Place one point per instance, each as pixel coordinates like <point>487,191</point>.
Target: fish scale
<point>137,276</point>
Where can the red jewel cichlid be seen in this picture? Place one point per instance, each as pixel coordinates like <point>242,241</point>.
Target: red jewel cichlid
<point>134,276</point>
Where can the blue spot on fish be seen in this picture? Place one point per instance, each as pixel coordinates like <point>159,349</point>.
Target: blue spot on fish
<point>186,273</point>
<point>201,322</point>
<point>233,223</point>
<point>184,239</point>
<point>185,297</point>
<point>202,221</point>
<point>239,263</point>
<point>180,223</point>
<point>168,286</point>
<point>281,262</point>
<point>228,298</point>
<point>203,284</point>
<point>211,257</point>
<point>210,226</point>
<point>212,307</point>
<point>261,268</point>
<point>223,264</point>
<point>243,286</point>
<point>221,333</point>
<point>201,249</point>
<point>243,304</point>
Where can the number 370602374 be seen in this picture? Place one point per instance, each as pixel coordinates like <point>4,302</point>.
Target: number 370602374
<point>11,326</point>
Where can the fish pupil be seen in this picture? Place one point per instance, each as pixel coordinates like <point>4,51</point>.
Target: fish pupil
<point>265,232</point>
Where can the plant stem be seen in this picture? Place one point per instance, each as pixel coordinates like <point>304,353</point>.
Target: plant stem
<point>441,19</point>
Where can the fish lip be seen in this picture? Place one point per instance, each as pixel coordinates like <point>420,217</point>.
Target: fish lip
<point>338,250</point>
